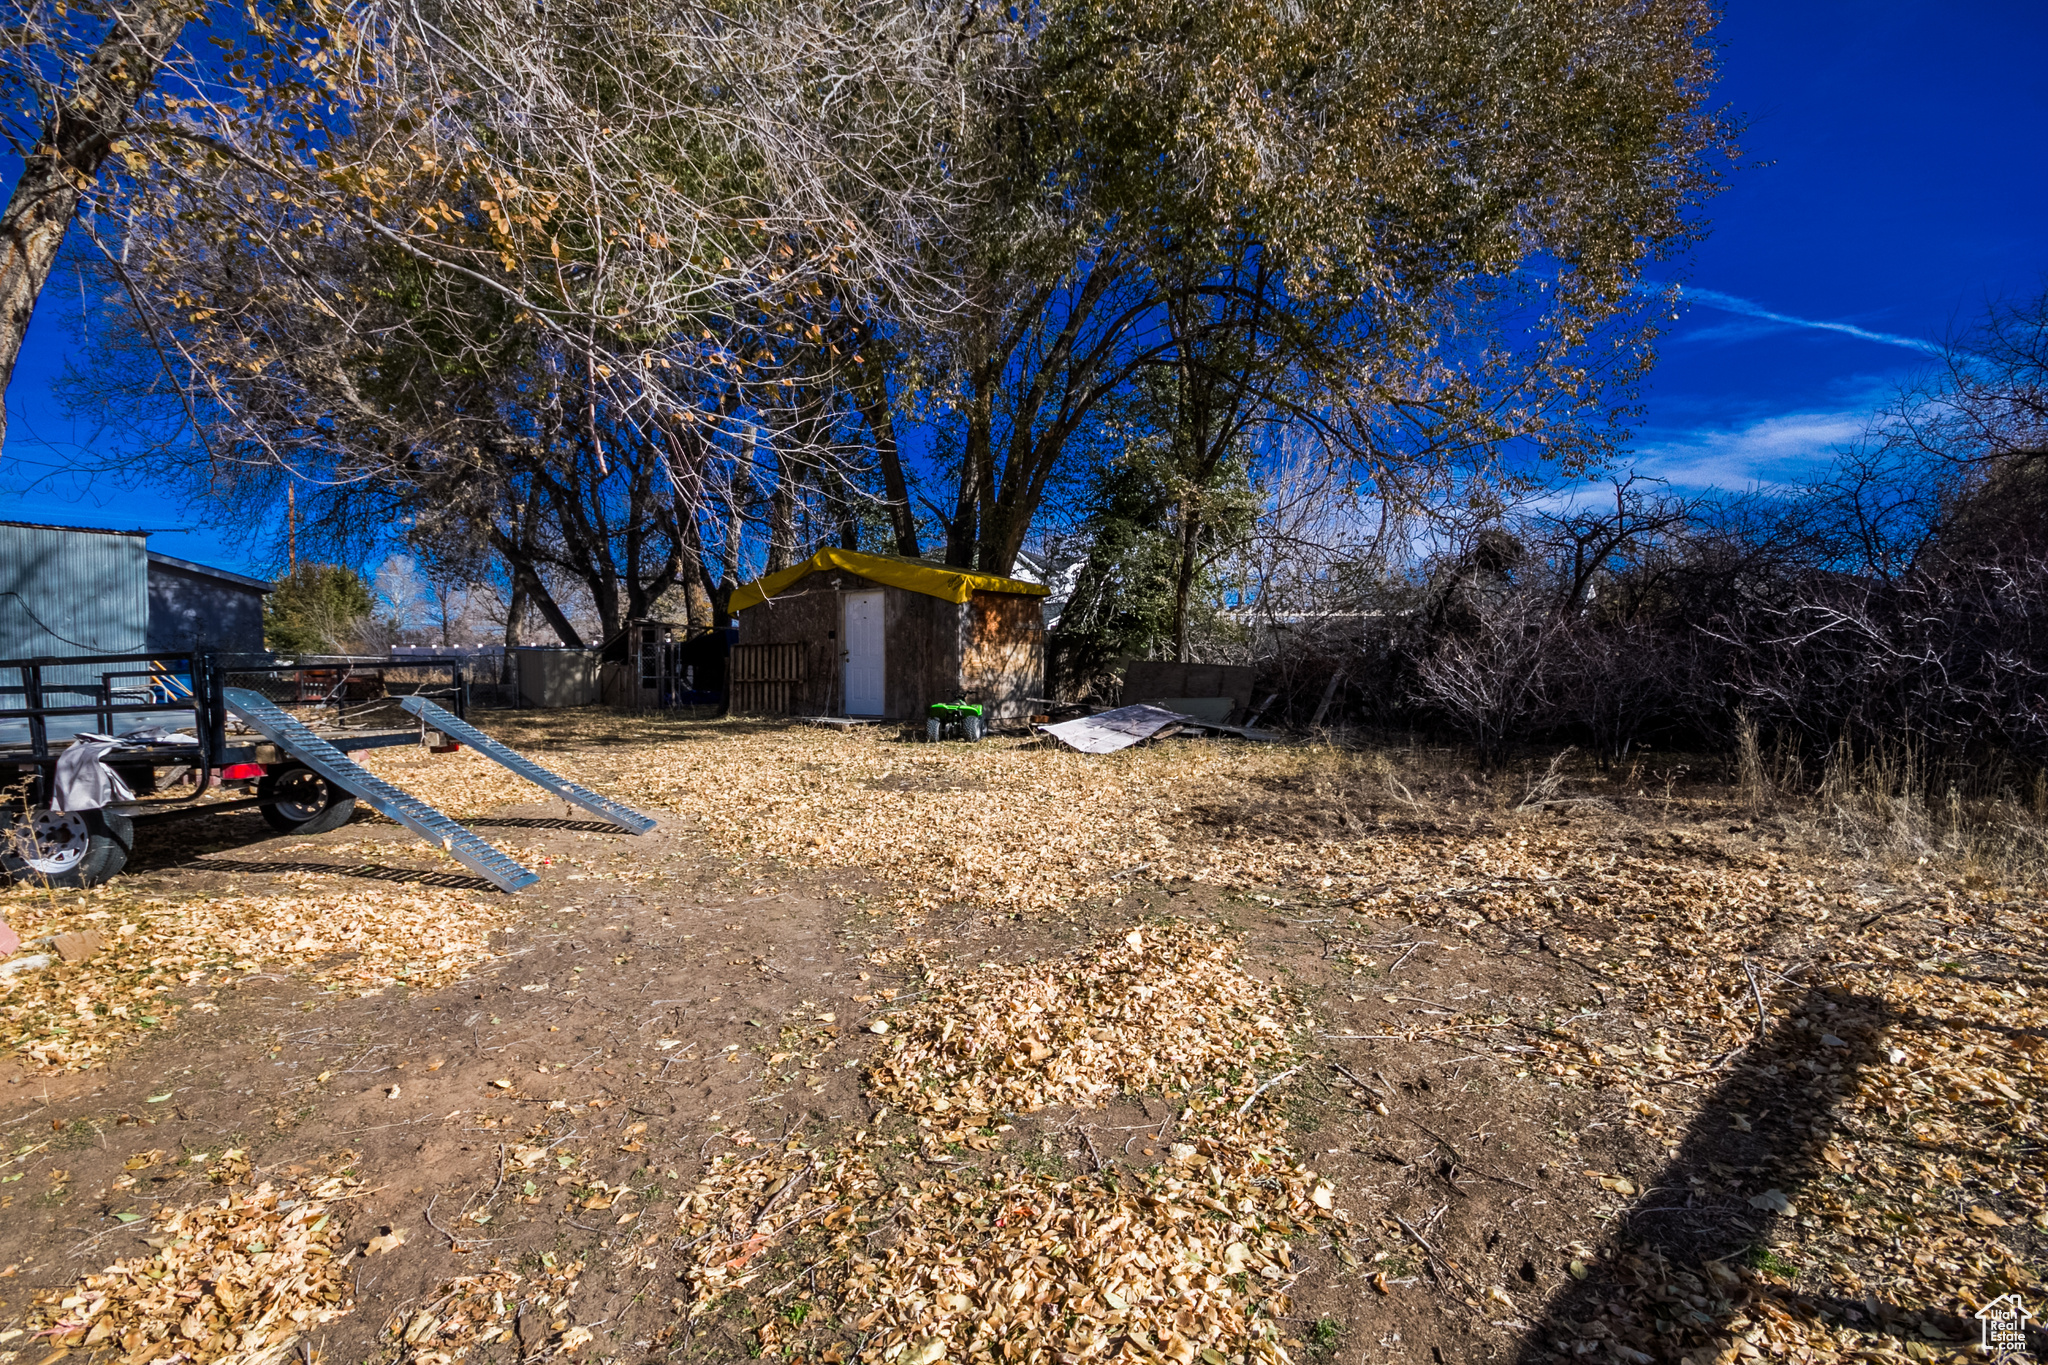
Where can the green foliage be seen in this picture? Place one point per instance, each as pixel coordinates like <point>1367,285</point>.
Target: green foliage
<point>1140,505</point>
<point>1760,1257</point>
<point>1324,1336</point>
<point>316,609</point>
<point>1123,604</point>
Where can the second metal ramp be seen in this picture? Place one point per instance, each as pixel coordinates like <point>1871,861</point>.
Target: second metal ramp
<point>625,817</point>
<point>296,739</point>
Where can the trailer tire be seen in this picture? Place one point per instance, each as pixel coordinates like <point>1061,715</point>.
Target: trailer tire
<point>304,802</point>
<point>65,849</point>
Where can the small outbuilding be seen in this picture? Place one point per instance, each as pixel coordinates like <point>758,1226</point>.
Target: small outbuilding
<point>196,606</point>
<point>68,590</point>
<point>882,637</point>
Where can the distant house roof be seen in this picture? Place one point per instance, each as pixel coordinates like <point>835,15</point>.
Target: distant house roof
<point>85,530</point>
<point>912,575</point>
<point>208,571</point>
<point>1060,576</point>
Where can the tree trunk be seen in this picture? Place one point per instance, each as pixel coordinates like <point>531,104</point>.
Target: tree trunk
<point>975,472</point>
<point>551,609</point>
<point>1184,579</point>
<point>873,400</point>
<point>781,518</point>
<point>729,578</point>
<point>699,604</point>
<point>515,618</point>
<point>526,579</point>
<point>76,142</point>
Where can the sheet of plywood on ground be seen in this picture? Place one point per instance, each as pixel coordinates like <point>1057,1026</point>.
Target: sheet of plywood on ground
<point>1110,731</point>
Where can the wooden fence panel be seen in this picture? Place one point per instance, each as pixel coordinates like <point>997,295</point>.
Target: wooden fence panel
<point>766,679</point>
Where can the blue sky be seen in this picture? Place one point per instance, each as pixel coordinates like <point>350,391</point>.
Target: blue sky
<point>1905,192</point>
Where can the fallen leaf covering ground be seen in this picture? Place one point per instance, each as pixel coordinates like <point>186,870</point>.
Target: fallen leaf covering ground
<point>1163,1012</point>
<point>70,1015</point>
<point>1841,1064</point>
<point>1891,1084</point>
<point>471,1312</point>
<point>1189,1259</point>
<point>1026,829</point>
<point>239,1278</point>
<point>1943,1097</point>
<point>460,784</point>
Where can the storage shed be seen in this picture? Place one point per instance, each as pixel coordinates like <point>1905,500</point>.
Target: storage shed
<point>555,675</point>
<point>196,606</point>
<point>877,636</point>
<point>74,590</point>
<point>68,590</point>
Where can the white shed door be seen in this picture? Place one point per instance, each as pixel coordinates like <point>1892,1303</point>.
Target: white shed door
<point>864,654</point>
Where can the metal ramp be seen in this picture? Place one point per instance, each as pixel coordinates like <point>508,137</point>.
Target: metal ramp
<point>625,817</point>
<point>292,736</point>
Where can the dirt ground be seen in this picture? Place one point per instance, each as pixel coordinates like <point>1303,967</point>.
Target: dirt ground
<point>902,1053</point>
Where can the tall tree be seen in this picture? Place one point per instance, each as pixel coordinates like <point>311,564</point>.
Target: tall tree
<point>81,122</point>
<point>83,106</point>
<point>620,252</point>
<point>1467,190</point>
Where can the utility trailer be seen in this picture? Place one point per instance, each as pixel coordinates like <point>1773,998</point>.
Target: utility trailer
<point>203,723</point>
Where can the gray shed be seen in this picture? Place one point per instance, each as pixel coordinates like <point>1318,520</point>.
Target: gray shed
<point>196,606</point>
<point>70,590</point>
<point>66,591</point>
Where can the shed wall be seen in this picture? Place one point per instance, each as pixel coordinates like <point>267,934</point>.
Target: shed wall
<point>1003,660</point>
<point>807,616</point>
<point>194,611</point>
<point>68,592</point>
<point>71,592</point>
<point>557,677</point>
<point>924,652</point>
<point>991,648</point>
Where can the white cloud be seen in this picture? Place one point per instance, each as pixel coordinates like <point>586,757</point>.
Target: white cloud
<point>1729,303</point>
<point>1770,452</point>
<point>1748,329</point>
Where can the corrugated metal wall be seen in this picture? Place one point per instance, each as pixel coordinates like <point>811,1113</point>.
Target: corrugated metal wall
<point>68,592</point>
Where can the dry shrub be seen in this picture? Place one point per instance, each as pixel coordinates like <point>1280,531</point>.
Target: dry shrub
<point>1892,807</point>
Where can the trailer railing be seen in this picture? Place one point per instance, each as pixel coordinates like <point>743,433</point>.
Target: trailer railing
<point>201,699</point>
<point>357,692</point>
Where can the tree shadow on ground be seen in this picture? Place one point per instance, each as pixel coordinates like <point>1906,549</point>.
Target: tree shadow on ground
<point>1670,1283</point>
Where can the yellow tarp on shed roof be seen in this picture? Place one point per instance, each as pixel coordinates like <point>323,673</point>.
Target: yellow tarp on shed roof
<point>933,580</point>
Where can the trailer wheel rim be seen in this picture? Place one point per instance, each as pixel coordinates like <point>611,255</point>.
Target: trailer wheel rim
<point>301,794</point>
<point>50,842</point>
